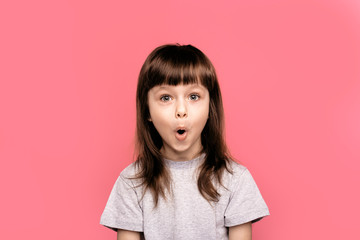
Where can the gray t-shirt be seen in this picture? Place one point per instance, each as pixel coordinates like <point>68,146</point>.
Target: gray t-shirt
<point>186,214</point>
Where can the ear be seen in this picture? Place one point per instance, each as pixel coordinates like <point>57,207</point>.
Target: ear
<point>149,119</point>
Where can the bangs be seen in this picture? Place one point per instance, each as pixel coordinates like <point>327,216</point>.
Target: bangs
<point>180,65</point>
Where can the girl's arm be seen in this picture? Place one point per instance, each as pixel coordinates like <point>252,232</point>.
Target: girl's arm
<point>127,235</point>
<point>240,232</point>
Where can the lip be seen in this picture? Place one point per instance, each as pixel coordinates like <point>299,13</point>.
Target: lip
<point>181,137</point>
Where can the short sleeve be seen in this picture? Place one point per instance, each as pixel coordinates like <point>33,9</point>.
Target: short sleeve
<point>246,203</point>
<point>123,210</point>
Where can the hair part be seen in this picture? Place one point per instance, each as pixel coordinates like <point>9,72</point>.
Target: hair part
<point>174,65</point>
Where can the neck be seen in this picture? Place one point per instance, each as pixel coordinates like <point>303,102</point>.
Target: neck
<point>180,157</point>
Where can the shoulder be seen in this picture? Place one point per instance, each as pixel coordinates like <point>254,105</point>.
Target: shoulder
<point>129,171</point>
<point>237,173</point>
<point>129,175</point>
<point>245,200</point>
<point>236,168</point>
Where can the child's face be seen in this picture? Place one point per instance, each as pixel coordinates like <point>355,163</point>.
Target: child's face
<point>179,113</point>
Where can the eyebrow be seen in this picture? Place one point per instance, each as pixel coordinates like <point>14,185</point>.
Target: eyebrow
<point>160,87</point>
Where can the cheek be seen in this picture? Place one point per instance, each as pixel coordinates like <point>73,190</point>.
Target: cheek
<point>202,116</point>
<point>205,117</point>
<point>159,119</point>
<point>153,111</point>
<point>158,114</point>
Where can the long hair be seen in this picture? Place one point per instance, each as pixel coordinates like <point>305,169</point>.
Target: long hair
<point>174,65</point>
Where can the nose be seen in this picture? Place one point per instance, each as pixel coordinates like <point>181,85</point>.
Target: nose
<point>181,111</point>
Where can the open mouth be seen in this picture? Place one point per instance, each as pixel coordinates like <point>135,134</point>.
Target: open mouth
<point>181,131</point>
<point>181,134</point>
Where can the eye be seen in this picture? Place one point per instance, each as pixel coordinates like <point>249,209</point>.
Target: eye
<point>194,97</point>
<point>165,98</point>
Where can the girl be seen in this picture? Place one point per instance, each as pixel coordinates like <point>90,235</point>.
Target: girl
<point>183,184</point>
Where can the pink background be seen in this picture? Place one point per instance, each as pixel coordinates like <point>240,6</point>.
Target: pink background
<point>290,78</point>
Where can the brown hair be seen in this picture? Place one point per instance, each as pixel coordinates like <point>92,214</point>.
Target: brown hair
<point>173,65</point>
